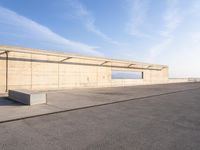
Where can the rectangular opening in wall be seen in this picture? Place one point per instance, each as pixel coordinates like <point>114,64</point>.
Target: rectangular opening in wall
<point>120,74</point>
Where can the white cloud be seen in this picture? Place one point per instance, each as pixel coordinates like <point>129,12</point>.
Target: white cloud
<point>178,42</point>
<point>172,19</point>
<point>195,7</point>
<point>195,37</point>
<point>25,28</point>
<point>86,17</point>
<point>183,58</point>
<point>180,50</point>
<point>159,48</point>
<point>137,14</point>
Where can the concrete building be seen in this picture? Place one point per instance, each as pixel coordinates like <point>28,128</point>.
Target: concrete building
<point>25,68</point>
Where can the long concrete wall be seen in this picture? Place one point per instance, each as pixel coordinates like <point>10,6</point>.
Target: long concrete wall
<point>23,68</point>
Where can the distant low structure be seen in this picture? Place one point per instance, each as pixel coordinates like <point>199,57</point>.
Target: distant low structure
<point>25,68</point>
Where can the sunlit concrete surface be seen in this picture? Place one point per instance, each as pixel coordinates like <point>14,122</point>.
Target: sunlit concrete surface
<point>61,100</point>
<point>33,69</point>
<point>144,117</point>
<point>27,97</point>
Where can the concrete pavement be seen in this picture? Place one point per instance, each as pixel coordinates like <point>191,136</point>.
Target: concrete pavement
<point>154,118</point>
<point>59,101</point>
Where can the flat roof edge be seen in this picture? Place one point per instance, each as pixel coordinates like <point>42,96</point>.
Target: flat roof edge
<point>64,54</point>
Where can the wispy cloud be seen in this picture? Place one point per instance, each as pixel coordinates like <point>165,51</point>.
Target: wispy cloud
<point>137,14</point>
<point>157,49</point>
<point>195,37</point>
<point>171,18</point>
<point>85,16</point>
<point>195,7</point>
<point>179,46</point>
<point>27,29</point>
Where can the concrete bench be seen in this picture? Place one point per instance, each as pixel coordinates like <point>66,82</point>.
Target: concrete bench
<point>27,97</point>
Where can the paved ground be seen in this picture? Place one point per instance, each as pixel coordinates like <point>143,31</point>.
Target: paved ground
<point>79,98</point>
<point>159,117</point>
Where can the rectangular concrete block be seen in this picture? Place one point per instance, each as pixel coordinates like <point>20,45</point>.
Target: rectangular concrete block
<point>27,97</point>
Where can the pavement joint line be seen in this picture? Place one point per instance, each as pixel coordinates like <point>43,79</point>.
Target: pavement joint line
<point>53,106</point>
<point>97,105</point>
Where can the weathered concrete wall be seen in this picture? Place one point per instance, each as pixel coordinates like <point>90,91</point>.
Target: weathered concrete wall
<point>34,69</point>
<point>2,73</point>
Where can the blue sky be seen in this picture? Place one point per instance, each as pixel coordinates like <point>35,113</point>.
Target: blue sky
<point>155,31</point>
